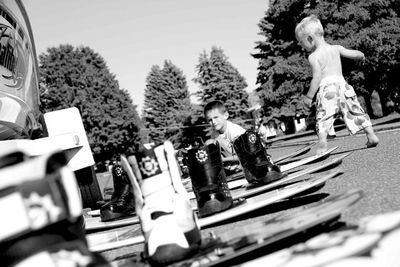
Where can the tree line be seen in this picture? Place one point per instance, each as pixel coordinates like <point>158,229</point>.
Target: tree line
<point>78,76</point>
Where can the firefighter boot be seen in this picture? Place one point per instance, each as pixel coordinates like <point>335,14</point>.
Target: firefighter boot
<point>122,202</point>
<point>256,163</point>
<point>208,179</point>
<point>168,222</point>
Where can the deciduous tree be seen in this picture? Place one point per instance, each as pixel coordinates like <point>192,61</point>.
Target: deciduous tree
<point>79,77</point>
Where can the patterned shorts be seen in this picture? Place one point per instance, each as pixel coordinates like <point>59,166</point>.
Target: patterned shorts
<point>336,97</point>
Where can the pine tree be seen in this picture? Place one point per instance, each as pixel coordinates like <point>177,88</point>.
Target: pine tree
<point>154,105</point>
<point>220,80</point>
<point>79,77</point>
<point>167,104</point>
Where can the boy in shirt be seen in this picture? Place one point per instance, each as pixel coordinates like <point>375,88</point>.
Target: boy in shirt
<point>223,130</point>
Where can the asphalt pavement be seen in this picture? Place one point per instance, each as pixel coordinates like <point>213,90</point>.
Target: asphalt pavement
<point>376,171</point>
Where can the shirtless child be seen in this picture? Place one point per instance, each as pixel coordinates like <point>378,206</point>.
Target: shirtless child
<point>334,95</point>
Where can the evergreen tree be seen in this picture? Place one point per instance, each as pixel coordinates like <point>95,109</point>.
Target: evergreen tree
<point>167,105</point>
<point>79,77</point>
<point>195,126</point>
<point>370,26</point>
<point>154,105</point>
<point>220,80</point>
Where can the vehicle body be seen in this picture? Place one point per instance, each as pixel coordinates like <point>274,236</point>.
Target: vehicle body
<point>19,85</point>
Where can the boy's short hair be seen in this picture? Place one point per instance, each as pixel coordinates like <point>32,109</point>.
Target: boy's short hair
<point>216,104</point>
<point>309,26</point>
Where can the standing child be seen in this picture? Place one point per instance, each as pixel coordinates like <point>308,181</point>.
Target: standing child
<point>334,95</point>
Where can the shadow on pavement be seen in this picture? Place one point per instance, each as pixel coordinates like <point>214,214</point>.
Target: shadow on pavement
<point>351,150</point>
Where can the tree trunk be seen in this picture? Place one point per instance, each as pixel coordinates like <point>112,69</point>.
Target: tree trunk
<point>376,104</point>
<point>367,104</point>
<point>387,103</point>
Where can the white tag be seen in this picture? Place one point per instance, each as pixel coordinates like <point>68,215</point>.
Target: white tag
<point>40,259</point>
<point>17,219</point>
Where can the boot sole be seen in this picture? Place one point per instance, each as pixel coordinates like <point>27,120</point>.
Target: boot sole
<point>111,216</point>
<point>214,206</point>
<point>272,177</point>
<point>167,254</point>
<point>170,253</point>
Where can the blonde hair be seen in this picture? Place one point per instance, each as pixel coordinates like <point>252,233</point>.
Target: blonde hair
<point>309,26</point>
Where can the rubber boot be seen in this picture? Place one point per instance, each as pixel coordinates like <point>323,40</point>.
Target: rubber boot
<point>122,203</point>
<point>208,179</point>
<point>256,163</point>
<point>168,222</point>
<point>44,225</point>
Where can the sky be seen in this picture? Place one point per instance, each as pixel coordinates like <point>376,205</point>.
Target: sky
<point>133,35</point>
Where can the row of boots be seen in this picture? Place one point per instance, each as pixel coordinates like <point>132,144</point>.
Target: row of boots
<point>168,222</point>
<point>207,174</point>
<point>44,223</point>
<point>167,219</point>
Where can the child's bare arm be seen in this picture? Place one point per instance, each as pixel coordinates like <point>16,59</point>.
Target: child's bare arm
<point>233,158</point>
<point>350,53</point>
<point>317,73</point>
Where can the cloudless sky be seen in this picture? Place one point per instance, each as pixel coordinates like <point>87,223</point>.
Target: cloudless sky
<point>133,35</point>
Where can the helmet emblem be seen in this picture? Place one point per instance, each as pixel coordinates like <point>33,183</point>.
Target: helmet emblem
<point>201,155</point>
<point>252,138</point>
<point>118,170</point>
<point>148,166</point>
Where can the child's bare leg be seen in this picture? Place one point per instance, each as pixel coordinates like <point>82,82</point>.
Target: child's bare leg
<point>371,136</point>
<point>322,142</point>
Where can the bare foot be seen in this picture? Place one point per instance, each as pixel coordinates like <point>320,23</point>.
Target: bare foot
<point>371,137</point>
<point>373,141</point>
<point>322,148</point>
